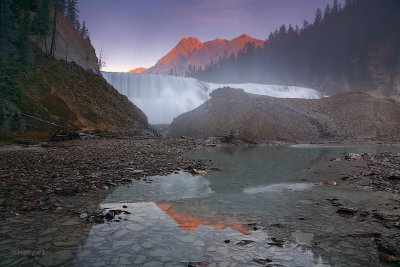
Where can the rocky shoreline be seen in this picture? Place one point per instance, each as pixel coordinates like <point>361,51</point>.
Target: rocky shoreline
<point>37,177</point>
<point>34,177</point>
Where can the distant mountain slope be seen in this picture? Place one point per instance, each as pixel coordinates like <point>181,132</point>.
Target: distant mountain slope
<point>138,70</point>
<point>261,118</point>
<point>191,51</point>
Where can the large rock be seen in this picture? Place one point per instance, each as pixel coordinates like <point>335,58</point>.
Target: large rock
<point>261,118</point>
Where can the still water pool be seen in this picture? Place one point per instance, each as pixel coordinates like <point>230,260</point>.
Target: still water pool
<point>267,203</point>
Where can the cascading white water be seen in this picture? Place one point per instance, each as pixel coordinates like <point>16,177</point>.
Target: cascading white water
<point>163,97</point>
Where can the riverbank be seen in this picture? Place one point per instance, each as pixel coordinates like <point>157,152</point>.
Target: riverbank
<point>35,177</point>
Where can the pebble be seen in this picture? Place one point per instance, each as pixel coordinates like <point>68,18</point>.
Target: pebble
<point>139,259</point>
<point>187,238</point>
<point>134,227</point>
<point>159,252</point>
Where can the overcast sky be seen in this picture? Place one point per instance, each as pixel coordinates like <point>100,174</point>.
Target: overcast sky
<point>136,33</point>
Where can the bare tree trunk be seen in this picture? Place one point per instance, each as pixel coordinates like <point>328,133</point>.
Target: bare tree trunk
<point>53,36</point>
<point>66,53</point>
<point>45,44</point>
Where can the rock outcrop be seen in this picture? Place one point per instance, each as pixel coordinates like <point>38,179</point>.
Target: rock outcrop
<point>70,45</point>
<point>262,118</point>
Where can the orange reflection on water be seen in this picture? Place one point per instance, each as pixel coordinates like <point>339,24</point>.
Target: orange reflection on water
<point>188,221</point>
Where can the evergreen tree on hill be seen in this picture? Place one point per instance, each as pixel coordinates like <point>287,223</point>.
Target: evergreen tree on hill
<point>72,11</point>
<point>330,54</point>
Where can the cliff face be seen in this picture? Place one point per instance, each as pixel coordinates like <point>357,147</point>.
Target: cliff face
<point>191,51</point>
<point>79,98</point>
<point>70,45</point>
<point>260,118</point>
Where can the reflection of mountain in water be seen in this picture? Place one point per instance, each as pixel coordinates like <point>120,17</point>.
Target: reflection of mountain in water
<point>173,187</point>
<point>187,219</point>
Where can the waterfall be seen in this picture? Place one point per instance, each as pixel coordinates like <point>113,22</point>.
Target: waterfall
<point>163,97</point>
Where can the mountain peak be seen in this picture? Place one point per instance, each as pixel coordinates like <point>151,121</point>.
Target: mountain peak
<point>189,42</point>
<point>138,70</point>
<point>191,51</point>
<point>244,36</point>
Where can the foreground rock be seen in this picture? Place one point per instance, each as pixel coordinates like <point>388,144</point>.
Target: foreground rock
<point>38,179</point>
<point>262,118</point>
<point>381,171</point>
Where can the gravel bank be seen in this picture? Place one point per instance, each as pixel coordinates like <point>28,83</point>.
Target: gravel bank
<point>33,178</point>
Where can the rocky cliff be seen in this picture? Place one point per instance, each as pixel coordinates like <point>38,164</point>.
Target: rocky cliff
<point>70,45</point>
<point>191,51</point>
<point>79,98</point>
<point>261,118</point>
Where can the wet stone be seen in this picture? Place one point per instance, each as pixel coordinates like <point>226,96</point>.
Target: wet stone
<point>139,259</point>
<point>134,227</point>
<point>153,264</point>
<point>121,244</point>
<point>120,233</point>
<point>199,243</point>
<point>124,261</point>
<point>187,238</point>
<point>71,222</point>
<point>159,252</point>
<point>44,240</point>
<point>98,264</point>
<point>66,243</point>
<point>147,244</point>
<point>136,248</point>
<point>49,231</point>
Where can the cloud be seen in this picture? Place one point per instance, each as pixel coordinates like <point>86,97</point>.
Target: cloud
<point>213,4</point>
<point>212,12</point>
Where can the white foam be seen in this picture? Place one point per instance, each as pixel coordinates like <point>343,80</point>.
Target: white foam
<point>163,97</point>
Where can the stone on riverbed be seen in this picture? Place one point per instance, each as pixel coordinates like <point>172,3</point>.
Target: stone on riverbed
<point>346,210</point>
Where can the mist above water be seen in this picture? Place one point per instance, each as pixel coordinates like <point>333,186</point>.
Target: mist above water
<point>163,97</point>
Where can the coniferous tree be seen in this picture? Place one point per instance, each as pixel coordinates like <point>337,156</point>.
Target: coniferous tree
<point>318,17</point>
<point>72,11</point>
<point>41,22</point>
<point>84,30</point>
<point>78,25</point>
<point>7,27</point>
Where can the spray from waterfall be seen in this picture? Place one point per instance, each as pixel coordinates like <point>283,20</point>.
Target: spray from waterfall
<point>163,97</point>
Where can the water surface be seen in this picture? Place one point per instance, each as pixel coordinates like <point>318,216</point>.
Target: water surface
<point>270,196</point>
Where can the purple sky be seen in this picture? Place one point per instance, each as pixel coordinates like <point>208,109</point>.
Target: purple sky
<point>136,33</point>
